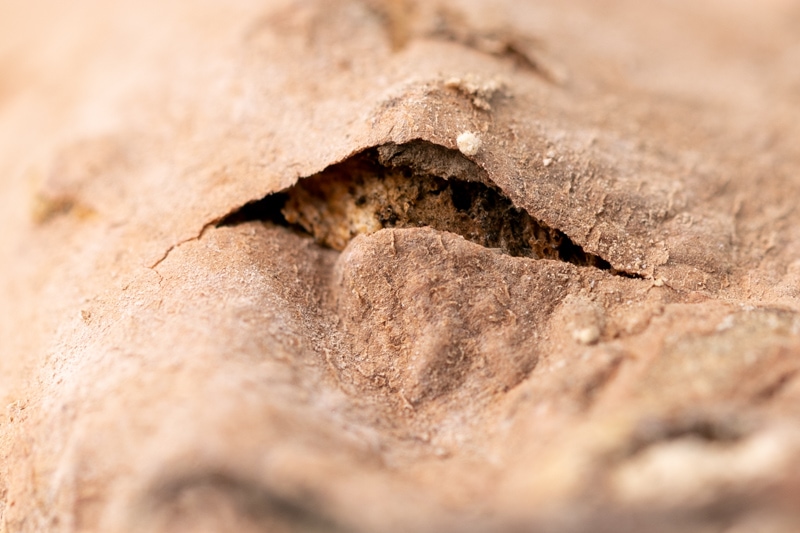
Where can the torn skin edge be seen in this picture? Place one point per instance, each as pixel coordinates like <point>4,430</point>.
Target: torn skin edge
<point>397,182</point>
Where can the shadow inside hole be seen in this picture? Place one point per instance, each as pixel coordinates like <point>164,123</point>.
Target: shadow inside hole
<point>365,194</point>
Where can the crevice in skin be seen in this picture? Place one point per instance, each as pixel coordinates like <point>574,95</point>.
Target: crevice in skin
<point>395,186</point>
<point>706,427</point>
<point>776,387</point>
<point>194,496</point>
<point>600,380</point>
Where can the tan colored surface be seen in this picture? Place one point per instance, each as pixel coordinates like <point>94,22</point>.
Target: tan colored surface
<point>162,373</point>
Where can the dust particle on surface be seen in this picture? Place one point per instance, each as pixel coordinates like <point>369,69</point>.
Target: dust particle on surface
<point>587,335</point>
<point>468,143</point>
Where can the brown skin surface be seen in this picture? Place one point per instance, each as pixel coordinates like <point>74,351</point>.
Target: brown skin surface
<point>165,372</point>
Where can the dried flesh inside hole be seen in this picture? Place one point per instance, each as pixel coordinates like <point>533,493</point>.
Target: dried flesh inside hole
<point>371,191</point>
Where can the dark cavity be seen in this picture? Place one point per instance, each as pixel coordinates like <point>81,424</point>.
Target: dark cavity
<point>411,186</point>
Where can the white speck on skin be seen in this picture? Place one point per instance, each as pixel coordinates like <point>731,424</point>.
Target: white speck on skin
<point>587,335</point>
<point>468,143</point>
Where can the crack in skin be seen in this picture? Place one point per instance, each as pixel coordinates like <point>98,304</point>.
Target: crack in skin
<point>180,243</point>
<point>374,190</point>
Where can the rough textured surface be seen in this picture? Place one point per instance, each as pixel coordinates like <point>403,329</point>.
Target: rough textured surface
<point>162,371</point>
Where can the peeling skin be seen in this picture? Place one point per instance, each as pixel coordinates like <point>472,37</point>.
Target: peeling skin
<point>361,196</point>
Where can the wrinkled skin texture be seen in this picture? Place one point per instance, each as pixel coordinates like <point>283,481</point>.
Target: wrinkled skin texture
<point>165,373</point>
